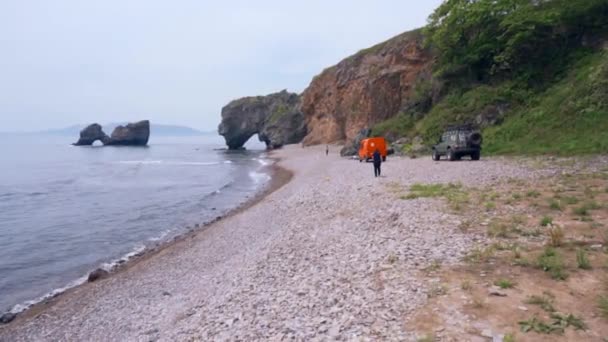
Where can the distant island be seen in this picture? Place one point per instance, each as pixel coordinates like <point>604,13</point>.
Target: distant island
<point>157,130</point>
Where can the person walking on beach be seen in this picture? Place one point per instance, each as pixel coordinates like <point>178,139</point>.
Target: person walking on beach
<point>326,150</point>
<point>377,163</point>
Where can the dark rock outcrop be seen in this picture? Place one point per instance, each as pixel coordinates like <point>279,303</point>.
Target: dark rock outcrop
<point>352,148</point>
<point>276,118</point>
<point>90,134</point>
<point>133,134</point>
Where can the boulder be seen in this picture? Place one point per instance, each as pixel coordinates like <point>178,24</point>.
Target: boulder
<point>7,317</point>
<point>352,148</point>
<point>276,118</point>
<point>133,134</point>
<point>99,273</point>
<point>90,134</point>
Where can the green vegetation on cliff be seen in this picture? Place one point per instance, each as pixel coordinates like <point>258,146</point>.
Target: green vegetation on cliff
<point>532,74</point>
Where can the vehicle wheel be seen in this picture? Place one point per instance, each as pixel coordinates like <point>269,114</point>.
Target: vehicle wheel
<point>383,159</point>
<point>451,155</point>
<point>436,156</point>
<point>475,155</point>
<point>360,160</point>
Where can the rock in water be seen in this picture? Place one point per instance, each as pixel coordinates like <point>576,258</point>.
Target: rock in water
<point>99,273</point>
<point>90,134</point>
<point>276,118</point>
<point>133,134</point>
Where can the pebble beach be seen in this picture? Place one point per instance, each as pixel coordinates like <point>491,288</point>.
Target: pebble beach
<point>333,254</point>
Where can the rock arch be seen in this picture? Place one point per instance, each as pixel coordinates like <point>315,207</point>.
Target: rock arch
<point>276,118</point>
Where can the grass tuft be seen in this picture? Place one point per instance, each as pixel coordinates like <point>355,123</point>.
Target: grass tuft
<point>546,220</point>
<point>550,261</point>
<point>509,338</point>
<point>437,290</point>
<point>533,194</point>
<point>582,260</point>
<point>602,304</point>
<point>504,283</point>
<point>556,236</point>
<point>555,205</point>
<point>545,301</point>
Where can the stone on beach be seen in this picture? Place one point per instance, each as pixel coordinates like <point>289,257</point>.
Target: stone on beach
<point>97,274</point>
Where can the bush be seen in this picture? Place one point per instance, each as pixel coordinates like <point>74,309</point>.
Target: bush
<point>545,221</point>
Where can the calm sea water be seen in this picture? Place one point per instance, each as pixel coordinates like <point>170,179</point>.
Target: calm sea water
<point>66,210</point>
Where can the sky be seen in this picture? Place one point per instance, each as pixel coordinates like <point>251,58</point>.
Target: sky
<point>66,62</point>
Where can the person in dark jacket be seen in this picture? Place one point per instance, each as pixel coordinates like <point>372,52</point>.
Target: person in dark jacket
<point>377,163</point>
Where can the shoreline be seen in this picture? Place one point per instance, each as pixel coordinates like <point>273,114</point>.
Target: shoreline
<point>311,260</point>
<point>280,176</point>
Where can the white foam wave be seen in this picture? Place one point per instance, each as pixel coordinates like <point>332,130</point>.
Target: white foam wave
<point>26,305</point>
<point>173,163</point>
<point>161,236</point>
<point>143,162</point>
<point>263,162</point>
<point>259,177</point>
<point>106,266</point>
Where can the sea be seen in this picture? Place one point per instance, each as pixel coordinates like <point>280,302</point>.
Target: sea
<point>67,210</point>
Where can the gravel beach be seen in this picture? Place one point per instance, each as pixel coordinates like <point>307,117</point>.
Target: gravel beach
<point>333,254</point>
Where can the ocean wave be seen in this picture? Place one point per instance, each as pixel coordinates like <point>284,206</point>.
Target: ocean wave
<point>24,194</point>
<point>28,304</point>
<point>172,163</point>
<point>137,162</point>
<point>108,266</point>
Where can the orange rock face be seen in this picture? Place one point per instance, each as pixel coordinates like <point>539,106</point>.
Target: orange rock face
<point>364,89</point>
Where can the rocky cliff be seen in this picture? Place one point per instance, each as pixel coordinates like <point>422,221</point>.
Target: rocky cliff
<point>364,89</point>
<point>133,134</point>
<point>276,118</point>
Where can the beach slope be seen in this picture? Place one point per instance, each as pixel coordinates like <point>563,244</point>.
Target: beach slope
<point>334,253</point>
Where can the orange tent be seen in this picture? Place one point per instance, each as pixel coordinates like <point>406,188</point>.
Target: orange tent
<point>369,146</point>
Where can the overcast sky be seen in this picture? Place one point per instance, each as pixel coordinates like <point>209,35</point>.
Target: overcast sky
<point>65,62</point>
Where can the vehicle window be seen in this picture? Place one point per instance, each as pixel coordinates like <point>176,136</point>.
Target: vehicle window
<point>453,138</point>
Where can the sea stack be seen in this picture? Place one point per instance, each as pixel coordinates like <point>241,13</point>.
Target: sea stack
<point>90,134</point>
<point>133,134</point>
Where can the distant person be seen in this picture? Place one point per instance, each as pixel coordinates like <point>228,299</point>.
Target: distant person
<point>326,150</point>
<point>377,163</point>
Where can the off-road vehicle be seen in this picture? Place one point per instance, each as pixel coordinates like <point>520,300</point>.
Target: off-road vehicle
<point>458,141</point>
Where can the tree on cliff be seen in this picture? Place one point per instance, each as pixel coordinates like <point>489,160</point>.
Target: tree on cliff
<point>481,39</point>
